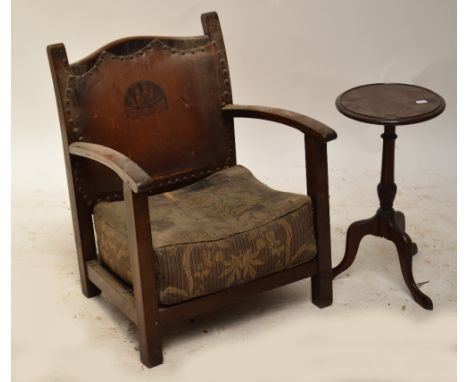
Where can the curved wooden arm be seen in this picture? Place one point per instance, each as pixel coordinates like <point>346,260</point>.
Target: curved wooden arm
<point>125,168</point>
<point>308,126</point>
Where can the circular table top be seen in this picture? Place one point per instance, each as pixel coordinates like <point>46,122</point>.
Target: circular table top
<point>390,104</point>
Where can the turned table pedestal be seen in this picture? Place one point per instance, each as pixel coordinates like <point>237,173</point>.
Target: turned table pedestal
<point>388,105</point>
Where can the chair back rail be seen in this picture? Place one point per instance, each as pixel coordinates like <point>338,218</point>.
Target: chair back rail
<point>156,100</point>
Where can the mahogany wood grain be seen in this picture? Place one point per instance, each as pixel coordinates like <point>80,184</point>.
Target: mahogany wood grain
<point>388,104</point>
<point>143,265</point>
<point>125,168</point>
<point>81,212</point>
<point>145,115</point>
<point>301,122</point>
<point>317,189</point>
<point>316,135</point>
<point>115,290</point>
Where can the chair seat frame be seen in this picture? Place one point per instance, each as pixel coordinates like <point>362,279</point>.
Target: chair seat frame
<point>140,303</point>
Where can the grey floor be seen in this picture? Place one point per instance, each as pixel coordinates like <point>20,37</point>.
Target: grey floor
<point>372,332</point>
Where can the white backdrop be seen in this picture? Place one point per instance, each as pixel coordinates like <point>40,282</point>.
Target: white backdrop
<point>297,55</point>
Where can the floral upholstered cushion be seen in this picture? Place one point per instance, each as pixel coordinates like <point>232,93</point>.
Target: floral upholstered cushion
<point>224,230</point>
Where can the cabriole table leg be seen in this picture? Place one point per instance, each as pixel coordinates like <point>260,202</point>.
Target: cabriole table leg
<point>386,223</point>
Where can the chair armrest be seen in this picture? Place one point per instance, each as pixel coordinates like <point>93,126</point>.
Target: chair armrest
<point>308,126</point>
<point>124,167</point>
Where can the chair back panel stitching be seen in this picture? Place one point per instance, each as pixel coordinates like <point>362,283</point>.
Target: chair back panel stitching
<point>156,100</point>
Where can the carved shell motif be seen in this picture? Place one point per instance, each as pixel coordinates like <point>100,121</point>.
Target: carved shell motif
<point>144,98</point>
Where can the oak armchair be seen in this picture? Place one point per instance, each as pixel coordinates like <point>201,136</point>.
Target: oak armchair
<point>166,224</point>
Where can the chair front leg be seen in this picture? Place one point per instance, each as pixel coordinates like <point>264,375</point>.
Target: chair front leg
<point>143,264</point>
<point>317,189</point>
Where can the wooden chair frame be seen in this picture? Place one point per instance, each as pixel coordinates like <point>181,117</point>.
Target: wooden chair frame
<point>140,304</point>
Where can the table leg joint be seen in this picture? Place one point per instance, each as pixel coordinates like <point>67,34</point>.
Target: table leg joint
<point>390,225</point>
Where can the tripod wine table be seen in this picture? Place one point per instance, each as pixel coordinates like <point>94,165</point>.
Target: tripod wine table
<point>388,104</point>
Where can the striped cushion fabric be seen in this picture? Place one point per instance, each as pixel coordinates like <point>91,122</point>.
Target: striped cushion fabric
<point>221,231</point>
